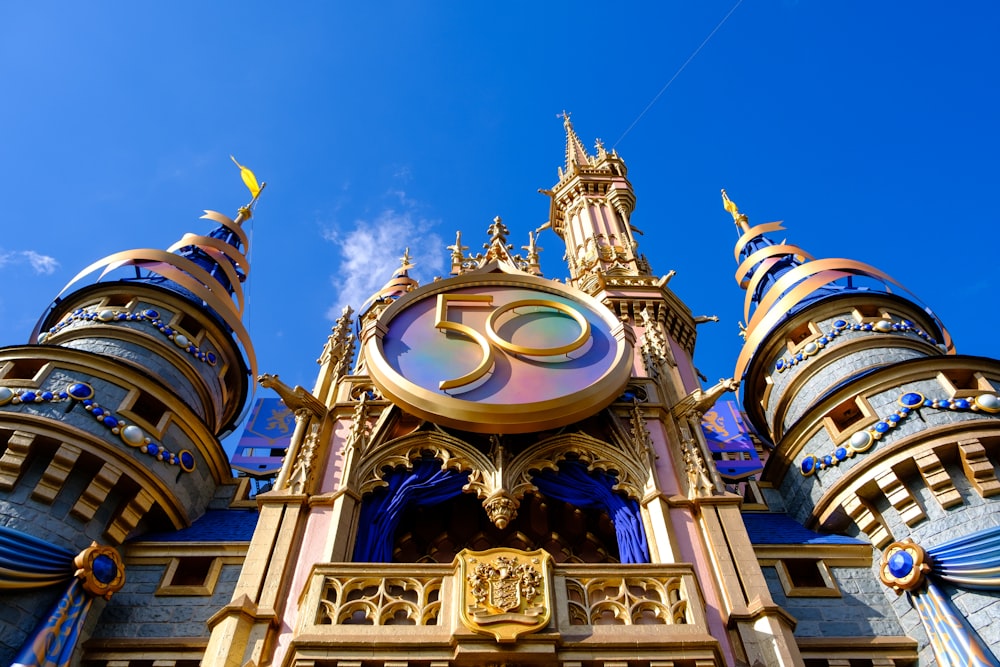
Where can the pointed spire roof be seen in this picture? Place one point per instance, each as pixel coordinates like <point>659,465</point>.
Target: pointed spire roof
<point>576,154</point>
<point>399,284</point>
<point>781,279</point>
<point>208,270</point>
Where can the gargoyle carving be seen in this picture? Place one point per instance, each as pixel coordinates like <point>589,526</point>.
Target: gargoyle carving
<point>298,399</point>
<point>700,400</point>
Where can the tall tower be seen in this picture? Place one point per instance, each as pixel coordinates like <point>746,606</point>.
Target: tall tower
<point>513,473</point>
<point>879,430</point>
<point>110,420</point>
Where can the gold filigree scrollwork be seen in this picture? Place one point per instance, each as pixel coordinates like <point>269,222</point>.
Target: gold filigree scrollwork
<point>640,443</point>
<point>381,601</point>
<point>626,601</point>
<point>656,353</point>
<point>301,473</point>
<point>359,436</point>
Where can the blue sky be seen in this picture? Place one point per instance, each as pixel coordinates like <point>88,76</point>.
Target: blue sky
<point>869,128</point>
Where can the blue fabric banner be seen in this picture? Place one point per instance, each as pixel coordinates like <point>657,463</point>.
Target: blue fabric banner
<point>426,484</point>
<point>54,640</point>
<point>593,490</point>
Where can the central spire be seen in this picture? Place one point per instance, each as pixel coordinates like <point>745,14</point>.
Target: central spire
<point>590,211</point>
<point>576,154</point>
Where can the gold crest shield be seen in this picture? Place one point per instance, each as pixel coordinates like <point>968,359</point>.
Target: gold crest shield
<point>505,592</point>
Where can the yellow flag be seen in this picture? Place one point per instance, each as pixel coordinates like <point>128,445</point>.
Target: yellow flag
<point>248,178</point>
<point>729,204</point>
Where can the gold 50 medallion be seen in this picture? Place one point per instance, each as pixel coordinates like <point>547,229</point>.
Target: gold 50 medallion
<point>498,353</point>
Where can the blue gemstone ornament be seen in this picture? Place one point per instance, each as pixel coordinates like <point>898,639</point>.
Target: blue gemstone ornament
<point>900,564</point>
<point>808,465</point>
<point>80,391</point>
<point>105,569</point>
<point>186,460</point>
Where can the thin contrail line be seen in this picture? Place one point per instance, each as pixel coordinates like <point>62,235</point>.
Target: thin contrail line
<point>677,73</point>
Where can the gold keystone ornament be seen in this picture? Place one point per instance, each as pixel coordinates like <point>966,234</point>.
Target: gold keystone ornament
<point>505,592</point>
<point>499,353</point>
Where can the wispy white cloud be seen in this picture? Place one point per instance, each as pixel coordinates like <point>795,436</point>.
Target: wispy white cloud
<point>370,252</point>
<point>40,264</point>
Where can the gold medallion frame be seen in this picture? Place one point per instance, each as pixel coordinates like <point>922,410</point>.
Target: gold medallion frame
<point>575,404</point>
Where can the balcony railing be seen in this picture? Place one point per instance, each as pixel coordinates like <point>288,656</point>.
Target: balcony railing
<point>371,611</point>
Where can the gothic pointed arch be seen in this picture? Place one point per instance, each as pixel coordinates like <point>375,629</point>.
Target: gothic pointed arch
<point>596,454</point>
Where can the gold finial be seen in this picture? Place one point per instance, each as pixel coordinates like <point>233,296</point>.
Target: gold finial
<point>740,219</point>
<point>406,262</point>
<point>457,254</point>
<point>498,232</point>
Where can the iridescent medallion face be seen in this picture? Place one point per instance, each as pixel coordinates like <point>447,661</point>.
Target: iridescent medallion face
<point>498,353</point>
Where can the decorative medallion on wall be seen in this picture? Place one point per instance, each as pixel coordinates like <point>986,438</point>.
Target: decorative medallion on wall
<point>499,353</point>
<point>505,592</point>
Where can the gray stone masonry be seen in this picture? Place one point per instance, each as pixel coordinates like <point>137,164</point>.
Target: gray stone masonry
<point>860,611</point>
<point>134,612</point>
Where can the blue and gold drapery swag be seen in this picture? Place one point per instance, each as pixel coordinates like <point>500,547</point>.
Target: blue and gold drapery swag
<point>27,562</point>
<point>969,562</point>
<point>428,484</point>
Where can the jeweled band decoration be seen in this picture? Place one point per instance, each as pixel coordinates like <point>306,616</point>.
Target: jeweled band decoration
<point>498,353</point>
<point>83,393</point>
<point>148,316</point>
<point>225,299</point>
<point>909,402</point>
<point>840,327</point>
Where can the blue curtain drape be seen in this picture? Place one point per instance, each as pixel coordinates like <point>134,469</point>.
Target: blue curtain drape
<point>426,484</point>
<point>971,561</point>
<point>593,490</point>
<point>28,562</point>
